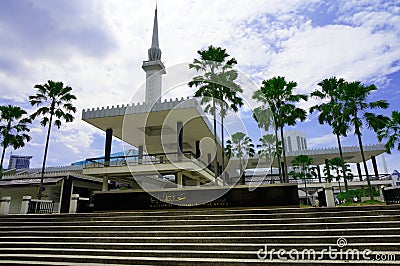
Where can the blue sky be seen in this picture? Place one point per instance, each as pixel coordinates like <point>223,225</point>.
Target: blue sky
<point>97,47</point>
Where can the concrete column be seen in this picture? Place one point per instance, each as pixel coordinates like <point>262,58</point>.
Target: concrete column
<point>25,204</point>
<point>359,171</point>
<point>105,183</point>
<point>179,136</point>
<point>107,149</point>
<point>197,149</point>
<point>198,182</point>
<point>73,206</point>
<point>179,179</point>
<point>319,174</point>
<point>375,167</point>
<point>140,154</point>
<point>285,176</point>
<point>330,200</point>
<point>5,205</point>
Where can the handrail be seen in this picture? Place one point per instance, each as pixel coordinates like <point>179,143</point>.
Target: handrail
<point>40,206</point>
<point>154,158</point>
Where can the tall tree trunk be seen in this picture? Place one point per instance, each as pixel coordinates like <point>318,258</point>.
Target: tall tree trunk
<point>215,140</point>
<point>346,185</point>
<point>285,174</point>
<point>45,156</point>
<point>5,145</point>
<point>278,156</point>
<point>2,159</point>
<point>305,188</point>
<point>337,173</point>
<point>364,163</point>
<point>223,144</point>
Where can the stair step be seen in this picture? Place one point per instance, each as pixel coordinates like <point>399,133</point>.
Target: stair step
<point>198,236</point>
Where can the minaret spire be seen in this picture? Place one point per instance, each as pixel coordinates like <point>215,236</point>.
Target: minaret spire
<point>155,52</point>
<point>154,68</point>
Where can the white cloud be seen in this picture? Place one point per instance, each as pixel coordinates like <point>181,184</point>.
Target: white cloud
<point>328,140</point>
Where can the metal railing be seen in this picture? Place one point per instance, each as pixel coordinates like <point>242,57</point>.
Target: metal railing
<point>40,206</point>
<point>156,158</point>
<point>267,179</point>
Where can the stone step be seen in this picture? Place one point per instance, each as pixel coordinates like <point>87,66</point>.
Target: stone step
<point>306,239</point>
<point>194,253</point>
<point>191,220</point>
<point>217,233</point>
<point>190,246</point>
<point>224,211</point>
<point>171,260</point>
<point>212,226</point>
<point>331,212</point>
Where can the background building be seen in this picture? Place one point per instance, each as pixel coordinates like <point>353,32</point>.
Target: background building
<point>294,140</point>
<point>19,162</point>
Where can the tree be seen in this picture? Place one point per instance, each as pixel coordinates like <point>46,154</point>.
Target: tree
<point>265,120</point>
<point>55,102</point>
<point>342,169</point>
<point>13,129</point>
<point>354,96</point>
<point>391,132</point>
<point>331,112</point>
<point>303,169</point>
<point>278,94</point>
<point>337,164</point>
<point>238,147</point>
<point>268,150</point>
<point>216,86</point>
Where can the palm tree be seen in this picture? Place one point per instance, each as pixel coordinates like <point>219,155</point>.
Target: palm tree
<point>354,96</point>
<point>303,169</point>
<point>216,85</point>
<point>239,146</point>
<point>331,113</point>
<point>337,164</point>
<point>265,120</point>
<point>391,132</point>
<point>55,102</point>
<point>13,129</point>
<point>278,94</point>
<point>268,150</point>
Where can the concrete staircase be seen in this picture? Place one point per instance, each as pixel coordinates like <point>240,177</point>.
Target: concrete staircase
<point>203,237</point>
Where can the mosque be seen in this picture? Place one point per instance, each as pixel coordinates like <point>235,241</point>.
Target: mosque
<point>175,161</point>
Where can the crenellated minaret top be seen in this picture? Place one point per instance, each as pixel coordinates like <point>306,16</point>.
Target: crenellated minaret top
<point>155,52</point>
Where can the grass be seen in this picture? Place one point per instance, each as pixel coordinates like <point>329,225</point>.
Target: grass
<point>364,203</point>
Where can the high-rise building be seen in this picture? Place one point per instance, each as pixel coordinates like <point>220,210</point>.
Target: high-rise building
<point>19,162</point>
<point>294,140</point>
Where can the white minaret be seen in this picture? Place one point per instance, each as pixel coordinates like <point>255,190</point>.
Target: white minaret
<point>154,68</point>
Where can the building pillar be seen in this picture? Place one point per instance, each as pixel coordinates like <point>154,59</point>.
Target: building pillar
<point>105,183</point>
<point>284,173</point>
<point>140,154</point>
<point>359,171</point>
<point>197,149</point>
<point>179,179</point>
<point>25,204</point>
<point>5,205</point>
<point>198,182</point>
<point>179,137</point>
<point>319,174</point>
<point>73,206</point>
<point>107,149</point>
<point>330,200</point>
<point>375,167</point>
<point>385,169</point>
